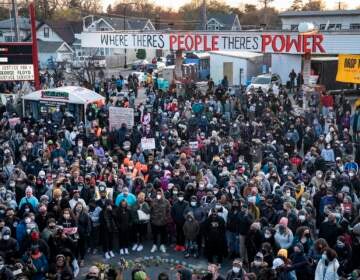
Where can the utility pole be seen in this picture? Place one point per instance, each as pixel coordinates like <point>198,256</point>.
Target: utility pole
<point>339,5</point>
<point>15,17</point>
<point>203,15</point>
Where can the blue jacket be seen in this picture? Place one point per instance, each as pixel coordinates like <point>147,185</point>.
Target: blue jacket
<point>130,199</point>
<point>32,200</point>
<point>21,232</point>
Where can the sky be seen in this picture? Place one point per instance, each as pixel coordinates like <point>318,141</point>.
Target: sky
<point>279,4</point>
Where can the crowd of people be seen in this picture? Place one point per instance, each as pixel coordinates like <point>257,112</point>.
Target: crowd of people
<point>234,175</point>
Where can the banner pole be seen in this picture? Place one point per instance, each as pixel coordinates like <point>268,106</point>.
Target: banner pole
<point>34,46</point>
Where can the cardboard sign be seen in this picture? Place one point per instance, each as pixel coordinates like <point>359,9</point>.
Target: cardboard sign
<point>194,145</point>
<point>118,116</point>
<point>23,72</point>
<point>348,69</point>
<point>148,143</point>
<point>14,121</point>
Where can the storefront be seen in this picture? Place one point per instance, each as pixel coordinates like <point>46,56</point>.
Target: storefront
<point>71,99</point>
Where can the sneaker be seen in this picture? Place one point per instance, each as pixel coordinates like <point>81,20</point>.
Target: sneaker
<point>187,255</point>
<point>162,248</point>
<point>134,247</point>
<point>112,254</point>
<point>107,256</point>
<point>153,249</point>
<point>126,251</point>
<point>140,248</point>
<point>121,252</point>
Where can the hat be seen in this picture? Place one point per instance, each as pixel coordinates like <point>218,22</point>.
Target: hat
<point>284,221</point>
<point>277,263</point>
<point>283,253</point>
<point>259,255</point>
<point>140,275</point>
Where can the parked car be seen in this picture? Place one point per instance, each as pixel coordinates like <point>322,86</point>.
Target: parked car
<point>139,65</point>
<point>265,82</point>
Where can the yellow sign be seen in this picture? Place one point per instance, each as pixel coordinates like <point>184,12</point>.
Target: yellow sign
<point>348,69</point>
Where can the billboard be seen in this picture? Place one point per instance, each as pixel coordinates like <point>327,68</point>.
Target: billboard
<point>16,62</point>
<point>348,69</point>
<point>272,42</point>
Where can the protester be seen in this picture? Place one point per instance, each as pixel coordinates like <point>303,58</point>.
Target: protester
<point>232,174</point>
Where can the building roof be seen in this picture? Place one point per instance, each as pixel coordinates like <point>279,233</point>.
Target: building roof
<point>66,29</point>
<point>77,95</point>
<point>237,54</point>
<point>49,47</point>
<point>320,13</point>
<point>23,22</point>
<point>227,20</point>
<point>130,23</point>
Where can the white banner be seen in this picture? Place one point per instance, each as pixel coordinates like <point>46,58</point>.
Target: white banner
<point>17,72</point>
<point>272,42</point>
<point>148,143</point>
<point>118,116</point>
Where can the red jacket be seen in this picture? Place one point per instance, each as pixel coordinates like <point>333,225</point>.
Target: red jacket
<point>327,101</point>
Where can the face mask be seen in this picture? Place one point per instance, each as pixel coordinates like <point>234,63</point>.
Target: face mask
<point>236,269</point>
<point>175,192</point>
<point>302,218</point>
<point>67,216</point>
<point>351,174</point>
<point>232,191</point>
<point>181,198</point>
<point>6,237</point>
<point>257,263</point>
<point>78,209</point>
<point>267,235</point>
<point>201,186</point>
<point>193,203</point>
<point>28,231</point>
<point>319,176</point>
<point>27,220</point>
<point>80,144</point>
<point>340,244</point>
<point>288,194</point>
<point>158,196</point>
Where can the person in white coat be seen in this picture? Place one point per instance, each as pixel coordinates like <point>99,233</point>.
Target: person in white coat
<point>327,266</point>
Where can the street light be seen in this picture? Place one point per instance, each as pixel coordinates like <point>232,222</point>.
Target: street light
<point>124,17</point>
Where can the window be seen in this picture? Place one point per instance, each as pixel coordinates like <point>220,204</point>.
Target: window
<point>355,26</point>
<point>46,32</point>
<point>294,27</point>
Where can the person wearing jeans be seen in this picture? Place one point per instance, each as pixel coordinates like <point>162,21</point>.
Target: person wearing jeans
<point>159,214</point>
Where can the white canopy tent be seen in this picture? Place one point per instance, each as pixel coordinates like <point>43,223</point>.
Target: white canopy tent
<point>73,98</point>
<point>76,95</point>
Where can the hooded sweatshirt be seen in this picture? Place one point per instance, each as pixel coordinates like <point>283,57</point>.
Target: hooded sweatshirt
<point>191,227</point>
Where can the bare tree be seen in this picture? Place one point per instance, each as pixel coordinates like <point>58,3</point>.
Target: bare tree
<point>296,5</point>
<point>265,3</point>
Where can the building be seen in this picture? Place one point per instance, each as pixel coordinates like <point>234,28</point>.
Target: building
<point>7,29</point>
<point>238,66</point>
<point>55,41</point>
<point>323,20</point>
<point>224,22</point>
<point>115,57</point>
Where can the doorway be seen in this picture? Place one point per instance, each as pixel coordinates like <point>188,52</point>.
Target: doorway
<point>228,71</point>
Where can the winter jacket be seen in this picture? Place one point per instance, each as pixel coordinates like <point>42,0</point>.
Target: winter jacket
<point>284,241</point>
<point>329,231</point>
<point>143,207</point>
<point>328,272</point>
<point>191,227</point>
<point>124,219</point>
<point>160,210</point>
<point>95,216</point>
<point>84,224</point>
<point>199,213</point>
<point>178,211</point>
<point>108,220</point>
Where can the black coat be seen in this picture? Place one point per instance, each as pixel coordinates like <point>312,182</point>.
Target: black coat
<point>108,221</point>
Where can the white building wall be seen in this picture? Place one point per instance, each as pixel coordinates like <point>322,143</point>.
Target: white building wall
<point>343,20</point>
<point>282,64</point>
<point>217,70</point>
